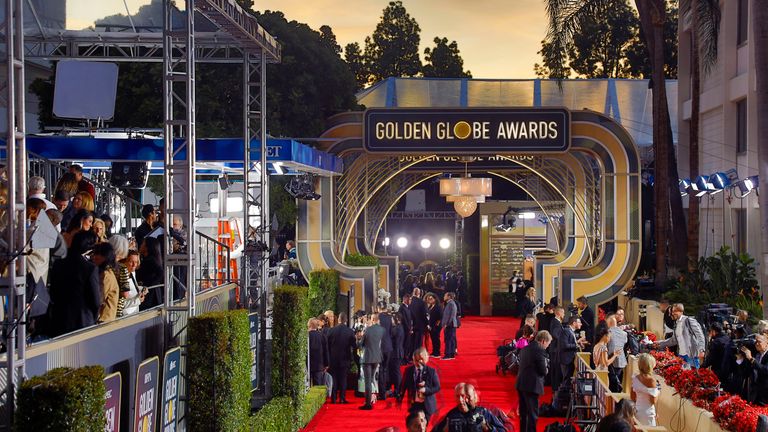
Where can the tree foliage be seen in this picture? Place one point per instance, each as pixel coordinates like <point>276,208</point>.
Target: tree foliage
<point>355,59</point>
<point>608,43</point>
<point>444,60</point>
<point>393,48</point>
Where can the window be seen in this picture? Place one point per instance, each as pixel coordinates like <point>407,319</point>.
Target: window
<point>740,230</point>
<point>741,126</point>
<point>743,24</point>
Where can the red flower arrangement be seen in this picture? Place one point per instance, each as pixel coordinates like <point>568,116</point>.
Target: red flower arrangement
<point>651,335</point>
<point>704,397</point>
<point>746,421</point>
<point>725,409</point>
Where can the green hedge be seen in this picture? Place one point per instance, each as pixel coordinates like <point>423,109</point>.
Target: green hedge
<point>218,368</point>
<point>323,291</point>
<point>503,303</point>
<point>312,404</point>
<point>277,415</point>
<point>289,342</point>
<point>63,399</point>
<point>359,260</point>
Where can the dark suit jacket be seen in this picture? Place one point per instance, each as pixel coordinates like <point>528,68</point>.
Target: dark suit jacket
<point>318,351</point>
<point>567,347</point>
<point>588,321</point>
<point>75,294</point>
<point>407,315</point>
<point>371,344</point>
<point>716,358</point>
<point>141,232</point>
<point>556,330</point>
<point>341,346</point>
<point>419,312</point>
<point>398,342</point>
<point>435,315</point>
<point>385,320</point>
<point>533,369</point>
<point>150,274</point>
<point>431,387</point>
<point>758,389</point>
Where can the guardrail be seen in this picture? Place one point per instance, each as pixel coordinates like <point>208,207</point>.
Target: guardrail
<point>606,399</point>
<point>211,271</point>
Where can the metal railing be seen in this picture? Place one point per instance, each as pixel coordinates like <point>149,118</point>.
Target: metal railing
<point>211,271</point>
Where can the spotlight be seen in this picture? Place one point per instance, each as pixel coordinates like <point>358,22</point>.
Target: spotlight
<point>385,242</point>
<point>445,243</point>
<point>719,181</point>
<point>527,215</point>
<point>507,222</point>
<point>746,186</point>
<point>302,187</point>
<point>425,243</point>
<point>402,242</point>
<point>684,185</point>
<point>703,186</point>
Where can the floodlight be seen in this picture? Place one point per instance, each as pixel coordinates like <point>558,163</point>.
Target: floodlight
<point>703,186</point>
<point>385,242</point>
<point>402,242</point>
<point>527,215</point>
<point>445,243</point>
<point>507,222</point>
<point>719,181</point>
<point>684,185</point>
<point>746,186</point>
<point>425,243</point>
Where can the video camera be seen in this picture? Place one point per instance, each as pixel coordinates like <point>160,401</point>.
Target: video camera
<point>748,342</point>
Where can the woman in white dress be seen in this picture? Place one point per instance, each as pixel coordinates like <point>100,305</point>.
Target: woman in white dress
<point>645,390</point>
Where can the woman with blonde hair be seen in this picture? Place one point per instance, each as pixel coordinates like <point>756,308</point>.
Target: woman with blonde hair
<point>86,200</point>
<point>528,305</point>
<point>100,229</point>
<point>645,390</point>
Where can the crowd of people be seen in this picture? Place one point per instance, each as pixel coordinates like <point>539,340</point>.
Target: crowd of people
<point>90,275</point>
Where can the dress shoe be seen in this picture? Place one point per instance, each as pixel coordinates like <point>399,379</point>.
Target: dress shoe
<point>366,407</point>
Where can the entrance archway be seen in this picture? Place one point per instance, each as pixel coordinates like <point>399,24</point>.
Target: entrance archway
<point>597,179</point>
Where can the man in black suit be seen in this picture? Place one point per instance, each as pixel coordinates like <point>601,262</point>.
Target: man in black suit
<point>587,316</point>
<point>568,345</point>
<point>758,364</point>
<point>419,312</point>
<point>556,331</point>
<point>422,384</point>
<point>147,225</point>
<point>341,345</point>
<point>370,341</point>
<point>534,363</point>
<point>318,353</point>
<point>407,315</point>
<point>385,321</point>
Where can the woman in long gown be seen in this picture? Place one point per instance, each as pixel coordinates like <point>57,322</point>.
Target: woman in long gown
<point>645,390</point>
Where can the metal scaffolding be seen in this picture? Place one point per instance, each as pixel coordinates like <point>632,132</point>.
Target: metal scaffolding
<point>240,40</point>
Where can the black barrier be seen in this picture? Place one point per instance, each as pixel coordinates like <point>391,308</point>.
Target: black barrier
<point>467,131</point>
<point>145,404</point>
<point>113,385</point>
<point>171,368</point>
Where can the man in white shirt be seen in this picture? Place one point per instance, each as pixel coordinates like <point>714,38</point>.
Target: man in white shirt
<point>36,189</point>
<point>688,337</point>
<point>616,343</point>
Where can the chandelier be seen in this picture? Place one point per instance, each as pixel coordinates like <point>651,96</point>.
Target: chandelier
<point>465,192</point>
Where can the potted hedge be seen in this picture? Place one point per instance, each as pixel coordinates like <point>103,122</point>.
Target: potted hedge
<point>323,291</point>
<point>289,343</point>
<point>62,400</point>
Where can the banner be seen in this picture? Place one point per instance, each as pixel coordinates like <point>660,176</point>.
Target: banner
<point>171,368</point>
<point>253,319</point>
<point>466,131</point>
<point>145,404</point>
<point>113,385</point>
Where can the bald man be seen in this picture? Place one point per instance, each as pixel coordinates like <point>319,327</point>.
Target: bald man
<point>467,415</point>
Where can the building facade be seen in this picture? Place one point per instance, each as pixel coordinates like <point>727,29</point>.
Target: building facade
<point>727,130</point>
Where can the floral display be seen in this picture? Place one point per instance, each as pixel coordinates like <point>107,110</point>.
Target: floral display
<point>702,387</point>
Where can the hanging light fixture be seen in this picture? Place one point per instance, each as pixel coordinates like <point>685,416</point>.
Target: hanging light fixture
<point>465,192</point>
<point>465,206</point>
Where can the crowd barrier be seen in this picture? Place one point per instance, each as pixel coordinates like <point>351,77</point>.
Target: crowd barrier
<point>122,345</point>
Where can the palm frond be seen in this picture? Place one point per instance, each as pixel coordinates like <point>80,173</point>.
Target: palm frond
<point>707,32</point>
<point>566,18</point>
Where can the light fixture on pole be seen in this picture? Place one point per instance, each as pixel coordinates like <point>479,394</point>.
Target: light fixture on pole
<point>465,192</point>
<point>445,243</point>
<point>425,243</point>
<point>507,221</point>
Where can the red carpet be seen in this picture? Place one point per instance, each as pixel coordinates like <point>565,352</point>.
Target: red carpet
<point>476,362</point>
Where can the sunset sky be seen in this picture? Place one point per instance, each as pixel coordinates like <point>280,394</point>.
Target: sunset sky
<point>497,38</point>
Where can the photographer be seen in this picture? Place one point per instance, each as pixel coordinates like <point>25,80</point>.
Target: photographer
<point>758,364</point>
<point>718,345</point>
<point>467,416</point>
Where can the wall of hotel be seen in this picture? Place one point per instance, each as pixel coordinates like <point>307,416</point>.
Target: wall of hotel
<point>725,218</point>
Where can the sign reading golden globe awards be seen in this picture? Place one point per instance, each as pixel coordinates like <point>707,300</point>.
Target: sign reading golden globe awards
<point>145,405</point>
<point>113,386</point>
<point>171,389</point>
<point>467,131</point>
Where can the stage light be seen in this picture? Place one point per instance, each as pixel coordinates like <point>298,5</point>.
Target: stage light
<point>402,242</point>
<point>684,185</point>
<point>302,187</point>
<point>385,242</point>
<point>746,186</point>
<point>507,222</point>
<point>445,243</point>
<point>425,243</point>
<point>703,186</point>
<point>719,181</point>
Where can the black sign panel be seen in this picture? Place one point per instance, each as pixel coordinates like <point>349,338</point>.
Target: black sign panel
<point>467,131</point>
<point>145,405</point>
<point>171,389</point>
<point>254,330</point>
<point>113,385</point>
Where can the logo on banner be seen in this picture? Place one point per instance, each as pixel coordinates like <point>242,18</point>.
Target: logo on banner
<point>146,395</point>
<point>171,389</point>
<point>113,385</point>
<point>253,320</point>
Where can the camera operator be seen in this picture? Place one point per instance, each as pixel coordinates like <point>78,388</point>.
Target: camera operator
<point>715,357</point>
<point>467,416</point>
<point>758,363</point>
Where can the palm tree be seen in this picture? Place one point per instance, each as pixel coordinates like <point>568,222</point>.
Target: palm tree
<point>759,13</point>
<point>566,17</point>
<point>705,27</point>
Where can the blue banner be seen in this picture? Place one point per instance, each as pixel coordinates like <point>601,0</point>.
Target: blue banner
<point>171,389</point>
